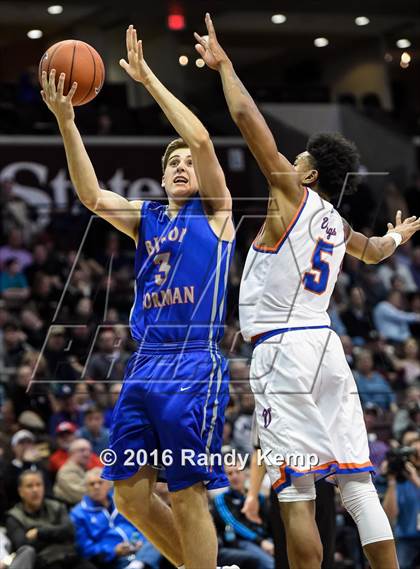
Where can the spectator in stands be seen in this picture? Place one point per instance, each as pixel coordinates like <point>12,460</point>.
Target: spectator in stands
<point>15,250</point>
<point>372,386</point>
<point>409,364</point>
<point>13,283</point>
<point>237,530</point>
<point>415,266</point>
<point>14,345</point>
<point>393,269</point>
<point>377,448</point>
<point>66,407</point>
<point>402,505</point>
<point>412,196</point>
<point>103,535</point>
<point>59,365</point>
<point>26,456</point>
<point>44,525</point>
<point>241,439</point>
<point>373,287</point>
<point>23,398</point>
<point>408,413</point>
<point>94,430</point>
<point>108,363</point>
<point>65,435</point>
<point>33,327</point>
<point>114,393</point>
<point>356,318</point>
<point>391,321</point>
<point>410,437</point>
<point>70,484</point>
<point>45,296</point>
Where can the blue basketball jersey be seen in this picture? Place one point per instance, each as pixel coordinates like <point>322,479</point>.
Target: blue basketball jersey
<point>181,277</point>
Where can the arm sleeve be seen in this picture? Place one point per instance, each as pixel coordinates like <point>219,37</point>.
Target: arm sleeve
<point>229,519</point>
<point>398,315</point>
<point>16,533</point>
<point>61,531</point>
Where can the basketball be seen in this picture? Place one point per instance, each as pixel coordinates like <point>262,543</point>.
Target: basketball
<point>81,63</point>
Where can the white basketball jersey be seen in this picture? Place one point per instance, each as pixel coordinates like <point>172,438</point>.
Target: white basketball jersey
<point>290,285</point>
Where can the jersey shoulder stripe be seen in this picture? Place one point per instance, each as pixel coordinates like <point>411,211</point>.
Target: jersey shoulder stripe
<point>276,248</point>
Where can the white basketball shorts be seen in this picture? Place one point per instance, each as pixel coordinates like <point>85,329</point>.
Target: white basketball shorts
<point>309,416</point>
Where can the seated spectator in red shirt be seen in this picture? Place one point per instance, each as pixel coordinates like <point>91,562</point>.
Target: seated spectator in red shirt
<point>65,433</point>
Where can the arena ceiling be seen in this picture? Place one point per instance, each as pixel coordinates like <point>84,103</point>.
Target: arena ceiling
<point>388,17</point>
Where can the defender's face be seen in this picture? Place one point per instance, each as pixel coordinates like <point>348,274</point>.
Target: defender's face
<point>179,179</point>
<point>304,166</point>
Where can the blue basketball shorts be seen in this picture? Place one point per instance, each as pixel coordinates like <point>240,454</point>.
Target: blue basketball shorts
<point>170,414</point>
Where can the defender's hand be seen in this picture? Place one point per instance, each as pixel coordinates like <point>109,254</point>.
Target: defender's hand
<point>209,48</point>
<point>53,97</point>
<point>405,228</point>
<point>136,66</point>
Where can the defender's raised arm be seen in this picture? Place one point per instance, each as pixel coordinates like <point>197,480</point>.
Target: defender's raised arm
<point>278,171</point>
<point>372,250</point>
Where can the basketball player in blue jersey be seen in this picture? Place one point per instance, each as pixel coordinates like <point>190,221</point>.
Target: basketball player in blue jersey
<point>305,394</point>
<point>171,407</point>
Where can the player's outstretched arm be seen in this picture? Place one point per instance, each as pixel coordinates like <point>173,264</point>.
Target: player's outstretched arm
<point>372,250</point>
<point>278,171</point>
<point>210,175</point>
<point>121,213</point>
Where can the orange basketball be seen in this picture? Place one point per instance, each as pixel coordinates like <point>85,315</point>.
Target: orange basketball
<point>81,63</point>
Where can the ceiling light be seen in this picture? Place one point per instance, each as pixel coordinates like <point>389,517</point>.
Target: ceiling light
<point>361,21</point>
<point>34,34</point>
<point>278,18</point>
<point>405,57</point>
<point>199,62</point>
<point>56,9</point>
<point>183,60</point>
<point>321,42</point>
<point>403,43</point>
<point>404,65</point>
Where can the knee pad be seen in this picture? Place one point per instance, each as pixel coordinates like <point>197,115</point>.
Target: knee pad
<point>361,500</point>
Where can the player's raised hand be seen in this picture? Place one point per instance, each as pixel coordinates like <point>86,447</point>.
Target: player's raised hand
<point>135,65</point>
<point>54,98</point>
<point>405,228</point>
<point>209,48</point>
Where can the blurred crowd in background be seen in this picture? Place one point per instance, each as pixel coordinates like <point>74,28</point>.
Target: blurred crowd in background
<point>64,343</point>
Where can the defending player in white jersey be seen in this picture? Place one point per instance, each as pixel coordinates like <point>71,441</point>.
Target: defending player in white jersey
<point>306,398</point>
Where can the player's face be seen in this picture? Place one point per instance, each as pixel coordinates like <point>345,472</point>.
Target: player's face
<point>303,165</point>
<point>179,179</point>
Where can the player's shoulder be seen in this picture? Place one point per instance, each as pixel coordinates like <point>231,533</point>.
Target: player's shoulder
<point>153,207</point>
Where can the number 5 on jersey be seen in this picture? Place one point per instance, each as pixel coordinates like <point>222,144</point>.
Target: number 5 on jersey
<point>316,279</point>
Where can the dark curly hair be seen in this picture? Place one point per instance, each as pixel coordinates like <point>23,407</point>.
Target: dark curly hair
<point>334,157</point>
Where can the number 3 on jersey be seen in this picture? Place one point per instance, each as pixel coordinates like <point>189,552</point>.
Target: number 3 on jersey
<point>316,279</point>
<point>162,261</point>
